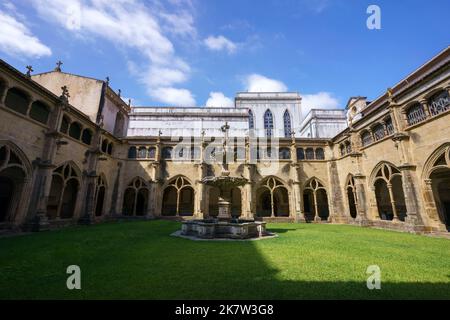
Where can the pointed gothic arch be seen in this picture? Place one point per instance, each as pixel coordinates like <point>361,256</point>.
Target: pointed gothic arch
<point>64,189</point>
<point>315,200</point>
<point>352,197</point>
<point>178,197</point>
<point>436,181</point>
<point>15,176</point>
<point>272,198</point>
<point>287,124</point>
<point>136,197</point>
<point>268,123</point>
<point>100,195</point>
<point>387,183</point>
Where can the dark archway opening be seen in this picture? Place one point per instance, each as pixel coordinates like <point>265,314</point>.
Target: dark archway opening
<point>100,201</point>
<point>351,202</point>
<point>441,191</point>
<point>6,194</point>
<point>383,200</point>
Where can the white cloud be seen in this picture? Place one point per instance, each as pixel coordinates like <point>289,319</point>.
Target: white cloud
<point>218,99</point>
<point>174,96</point>
<point>320,100</point>
<point>220,43</point>
<point>132,25</point>
<point>17,40</point>
<point>258,83</point>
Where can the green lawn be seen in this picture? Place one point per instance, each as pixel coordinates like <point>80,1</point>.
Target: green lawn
<point>140,260</point>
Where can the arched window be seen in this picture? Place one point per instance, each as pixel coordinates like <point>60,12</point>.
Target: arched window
<point>251,120</point>
<point>178,198</point>
<point>105,145</point>
<point>110,148</point>
<point>439,102</point>
<point>389,193</point>
<point>135,200</point>
<point>342,149</point>
<point>378,132</point>
<point>309,154</point>
<point>86,137</point>
<point>389,126</point>
<point>287,124</point>
<point>65,123</point>
<point>315,201</point>
<point>366,138</point>
<point>39,112</point>
<point>320,154</point>
<point>348,147</point>
<point>272,199</point>
<point>284,154</point>
<point>415,114</point>
<point>17,100</point>
<point>142,154</point>
<point>75,130</point>
<point>268,123</point>
<point>300,154</point>
<point>167,153</point>
<point>151,153</point>
<point>132,153</point>
<point>63,192</point>
<point>100,193</point>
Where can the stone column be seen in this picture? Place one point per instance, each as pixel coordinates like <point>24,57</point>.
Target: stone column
<point>37,214</point>
<point>430,206</point>
<point>3,94</point>
<point>200,198</point>
<point>335,194</point>
<point>373,207</point>
<point>361,198</point>
<point>90,179</point>
<point>426,108</point>
<point>411,197</point>
<point>116,194</point>
<point>250,210</point>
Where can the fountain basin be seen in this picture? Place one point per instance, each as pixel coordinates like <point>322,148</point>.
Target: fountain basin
<point>214,229</point>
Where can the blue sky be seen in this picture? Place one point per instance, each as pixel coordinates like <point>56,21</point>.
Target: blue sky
<point>190,52</point>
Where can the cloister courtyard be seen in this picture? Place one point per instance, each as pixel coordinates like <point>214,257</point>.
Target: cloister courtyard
<point>141,260</point>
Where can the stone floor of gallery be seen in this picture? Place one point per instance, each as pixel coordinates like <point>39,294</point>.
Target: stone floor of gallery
<point>141,260</point>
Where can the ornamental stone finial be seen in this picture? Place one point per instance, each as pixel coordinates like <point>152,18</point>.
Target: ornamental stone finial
<point>65,94</point>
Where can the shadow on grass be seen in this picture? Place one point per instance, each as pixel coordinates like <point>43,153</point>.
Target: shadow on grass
<point>139,260</point>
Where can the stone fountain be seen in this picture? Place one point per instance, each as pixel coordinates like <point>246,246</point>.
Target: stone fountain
<point>224,226</point>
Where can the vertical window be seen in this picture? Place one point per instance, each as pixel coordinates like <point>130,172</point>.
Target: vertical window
<point>132,153</point>
<point>378,132</point>
<point>320,154</point>
<point>415,114</point>
<point>75,130</point>
<point>389,126</point>
<point>86,137</point>
<point>439,102</point>
<point>366,138</point>
<point>64,125</point>
<point>287,124</point>
<point>17,100</point>
<point>39,112</point>
<point>310,154</point>
<point>268,123</point>
<point>142,154</point>
<point>251,120</point>
<point>300,154</point>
